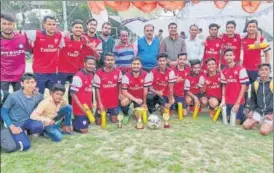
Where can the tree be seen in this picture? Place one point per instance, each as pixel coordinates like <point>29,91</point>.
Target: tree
<point>15,7</point>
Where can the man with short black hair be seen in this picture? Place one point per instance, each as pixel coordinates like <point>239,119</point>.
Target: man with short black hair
<point>13,55</point>
<point>53,109</point>
<point>107,88</point>
<point>134,86</point>
<point>173,45</point>
<point>148,48</point>
<point>47,44</point>
<point>213,46</point>
<point>261,102</point>
<point>107,42</point>
<point>161,90</point>
<point>17,109</point>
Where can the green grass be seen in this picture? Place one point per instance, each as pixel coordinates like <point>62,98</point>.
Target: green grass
<point>188,146</point>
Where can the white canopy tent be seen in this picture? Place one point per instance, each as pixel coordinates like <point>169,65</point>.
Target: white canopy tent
<point>205,13</point>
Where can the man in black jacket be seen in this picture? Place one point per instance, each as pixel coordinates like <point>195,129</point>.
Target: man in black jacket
<point>261,103</point>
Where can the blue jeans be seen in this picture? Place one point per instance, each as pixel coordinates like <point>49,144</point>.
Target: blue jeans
<point>22,140</point>
<point>45,80</point>
<point>65,113</point>
<point>53,131</point>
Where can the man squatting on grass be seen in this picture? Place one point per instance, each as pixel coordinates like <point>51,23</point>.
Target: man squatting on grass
<point>16,113</point>
<point>53,109</point>
<point>261,102</point>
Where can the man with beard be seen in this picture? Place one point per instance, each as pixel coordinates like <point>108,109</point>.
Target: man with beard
<point>173,45</point>
<point>194,85</point>
<point>81,92</point>
<point>234,79</point>
<point>163,79</point>
<point>13,47</point>
<point>123,51</point>
<point>212,86</point>
<point>212,46</point>
<point>45,53</point>
<point>69,55</point>
<point>107,88</point>
<point>148,48</point>
<point>135,85</point>
<point>194,46</point>
<point>93,47</point>
<point>107,42</point>
<point>182,70</point>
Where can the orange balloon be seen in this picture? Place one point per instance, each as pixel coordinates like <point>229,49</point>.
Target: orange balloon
<point>145,6</point>
<point>250,6</point>
<point>96,6</point>
<point>220,4</point>
<point>195,1</point>
<point>172,5</point>
<point>118,5</point>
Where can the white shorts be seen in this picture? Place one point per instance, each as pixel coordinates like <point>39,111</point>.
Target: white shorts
<point>260,119</point>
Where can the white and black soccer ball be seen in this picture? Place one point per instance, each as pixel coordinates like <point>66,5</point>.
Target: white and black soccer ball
<point>154,122</point>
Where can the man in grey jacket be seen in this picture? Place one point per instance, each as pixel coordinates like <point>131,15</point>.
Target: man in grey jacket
<point>261,103</point>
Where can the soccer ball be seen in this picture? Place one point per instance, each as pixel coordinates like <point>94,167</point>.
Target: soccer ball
<point>154,122</point>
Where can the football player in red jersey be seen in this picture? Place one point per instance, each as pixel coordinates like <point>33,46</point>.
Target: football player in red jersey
<point>81,91</point>
<point>182,70</point>
<point>45,53</point>
<point>107,88</point>
<point>135,85</point>
<point>94,45</point>
<point>69,55</point>
<point>212,86</point>
<point>163,79</point>
<point>212,46</point>
<point>235,80</point>
<point>194,85</point>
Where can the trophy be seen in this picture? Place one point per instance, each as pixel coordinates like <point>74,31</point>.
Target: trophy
<point>120,118</point>
<point>139,112</point>
<point>166,118</point>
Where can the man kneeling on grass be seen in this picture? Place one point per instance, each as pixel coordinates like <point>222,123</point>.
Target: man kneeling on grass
<point>261,103</point>
<point>51,110</point>
<point>16,115</point>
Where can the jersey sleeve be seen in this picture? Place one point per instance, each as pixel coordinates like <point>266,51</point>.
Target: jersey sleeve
<point>125,82</point>
<point>120,77</point>
<point>99,48</point>
<point>187,85</point>
<point>201,81</point>
<point>148,80</point>
<point>76,84</point>
<point>243,77</point>
<point>171,77</point>
<point>31,35</point>
<point>223,78</point>
<point>96,81</point>
<point>268,48</point>
<point>151,76</point>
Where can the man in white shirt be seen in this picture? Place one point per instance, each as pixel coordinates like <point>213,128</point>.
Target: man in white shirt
<point>194,46</point>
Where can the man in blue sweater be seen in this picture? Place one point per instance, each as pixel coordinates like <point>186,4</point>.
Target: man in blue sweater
<point>16,113</point>
<point>148,48</point>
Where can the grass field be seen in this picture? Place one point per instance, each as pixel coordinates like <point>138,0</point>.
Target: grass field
<point>188,146</point>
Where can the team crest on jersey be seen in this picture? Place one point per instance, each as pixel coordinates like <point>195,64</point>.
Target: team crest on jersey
<point>207,82</point>
<point>115,77</point>
<point>142,80</point>
<point>56,41</point>
<point>235,40</point>
<point>235,72</point>
<point>20,46</point>
<point>217,45</point>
